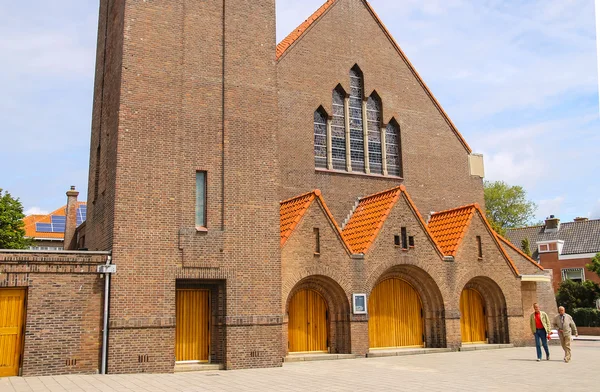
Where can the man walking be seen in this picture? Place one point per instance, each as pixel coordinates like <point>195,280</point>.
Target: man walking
<point>566,327</point>
<point>540,327</point>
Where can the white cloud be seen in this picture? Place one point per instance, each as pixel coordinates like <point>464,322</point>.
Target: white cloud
<point>550,207</point>
<point>35,211</point>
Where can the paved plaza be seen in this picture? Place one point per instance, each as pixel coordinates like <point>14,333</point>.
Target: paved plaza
<point>512,369</point>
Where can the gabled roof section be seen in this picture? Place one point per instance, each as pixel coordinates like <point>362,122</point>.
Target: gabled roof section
<point>579,237</point>
<point>31,220</point>
<point>519,251</point>
<point>449,227</point>
<point>298,31</point>
<point>370,214</point>
<point>297,34</point>
<point>368,218</point>
<point>292,210</point>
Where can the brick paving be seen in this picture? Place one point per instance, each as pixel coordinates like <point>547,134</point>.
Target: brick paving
<point>513,369</point>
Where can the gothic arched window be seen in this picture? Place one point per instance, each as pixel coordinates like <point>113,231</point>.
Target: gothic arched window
<point>392,149</point>
<point>338,130</point>
<point>374,133</point>
<point>320,122</point>
<point>357,138</point>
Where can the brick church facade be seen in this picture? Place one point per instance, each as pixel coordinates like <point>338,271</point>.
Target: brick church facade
<point>259,200</point>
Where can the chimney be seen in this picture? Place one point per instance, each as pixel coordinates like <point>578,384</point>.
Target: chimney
<point>552,224</point>
<point>71,221</point>
<point>580,219</point>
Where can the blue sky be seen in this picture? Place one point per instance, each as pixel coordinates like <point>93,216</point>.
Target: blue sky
<point>518,78</point>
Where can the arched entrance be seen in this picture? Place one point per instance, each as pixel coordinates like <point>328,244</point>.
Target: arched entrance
<point>308,322</point>
<point>483,312</point>
<point>473,326</point>
<point>395,315</point>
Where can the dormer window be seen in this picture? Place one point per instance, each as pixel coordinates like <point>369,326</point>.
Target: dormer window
<point>550,246</point>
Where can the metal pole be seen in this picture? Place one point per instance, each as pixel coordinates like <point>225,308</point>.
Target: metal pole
<point>105,320</point>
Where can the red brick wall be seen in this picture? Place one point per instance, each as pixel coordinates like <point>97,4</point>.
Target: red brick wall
<point>436,170</point>
<point>63,310</point>
<point>551,261</point>
<point>175,106</point>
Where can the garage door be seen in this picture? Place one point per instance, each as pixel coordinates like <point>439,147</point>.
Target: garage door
<point>395,315</point>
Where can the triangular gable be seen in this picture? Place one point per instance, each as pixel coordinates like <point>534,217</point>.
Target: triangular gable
<point>369,216</point>
<point>509,244</point>
<point>292,210</point>
<point>297,34</point>
<point>449,228</point>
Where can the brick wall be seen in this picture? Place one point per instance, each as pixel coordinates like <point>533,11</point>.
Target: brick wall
<point>551,261</point>
<point>63,330</point>
<point>435,162</point>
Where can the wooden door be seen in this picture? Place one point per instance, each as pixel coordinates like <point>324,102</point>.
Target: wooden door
<point>192,331</point>
<point>307,324</point>
<point>395,315</point>
<point>472,317</point>
<point>12,315</point>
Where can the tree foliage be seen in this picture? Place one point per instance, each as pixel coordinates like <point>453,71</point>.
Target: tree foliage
<point>594,266</point>
<point>507,206</point>
<point>12,233</point>
<point>525,246</point>
<point>573,295</point>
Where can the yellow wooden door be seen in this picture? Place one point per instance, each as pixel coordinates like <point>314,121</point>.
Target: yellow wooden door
<point>12,312</point>
<point>307,324</point>
<point>192,331</point>
<point>395,315</point>
<point>472,317</point>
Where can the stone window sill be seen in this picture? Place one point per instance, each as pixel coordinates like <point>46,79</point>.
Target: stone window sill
<point>319,170</point>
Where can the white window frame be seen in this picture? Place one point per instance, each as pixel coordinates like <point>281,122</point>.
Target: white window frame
<point>563,273</point>
<point>354,300</point>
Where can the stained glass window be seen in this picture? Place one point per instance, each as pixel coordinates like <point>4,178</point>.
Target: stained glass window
<point>320,138</point>
<point>357,141</point>
<point>392,149</point>
<point>374,134</point>
<point>338,131</point>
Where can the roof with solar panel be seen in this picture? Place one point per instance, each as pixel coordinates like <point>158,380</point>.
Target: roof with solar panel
<point>52,225</point>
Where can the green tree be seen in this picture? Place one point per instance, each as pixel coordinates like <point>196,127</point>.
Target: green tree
<point>507,206</point>
<point>12,233</point>
<point>525,246</point>
<point>594,266</point>
<point>573,295</point>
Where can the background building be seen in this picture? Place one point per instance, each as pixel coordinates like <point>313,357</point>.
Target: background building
<point>563,248</point>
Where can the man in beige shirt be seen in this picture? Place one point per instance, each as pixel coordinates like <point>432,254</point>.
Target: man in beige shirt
<point>566,327</point>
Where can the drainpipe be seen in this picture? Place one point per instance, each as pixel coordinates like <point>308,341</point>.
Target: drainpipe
<point>107,269</point>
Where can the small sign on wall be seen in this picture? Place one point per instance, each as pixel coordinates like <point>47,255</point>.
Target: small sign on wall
<point>359,303</point>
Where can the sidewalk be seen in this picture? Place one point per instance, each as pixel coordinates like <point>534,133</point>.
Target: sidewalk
<point>512,369</point>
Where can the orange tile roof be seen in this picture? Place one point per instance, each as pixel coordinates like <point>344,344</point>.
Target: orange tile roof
<point>519,251</point>
<point>449,227</point>
<point>295,35</point>
<point>292,210</point>
<point>31,220</point>
<point>368,218</point>
<point>290,213</point>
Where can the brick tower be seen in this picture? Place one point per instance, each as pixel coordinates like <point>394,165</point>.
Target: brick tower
<point>184,175</point>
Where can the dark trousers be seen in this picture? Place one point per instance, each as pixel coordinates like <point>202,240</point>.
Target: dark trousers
<point>541,338</point>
